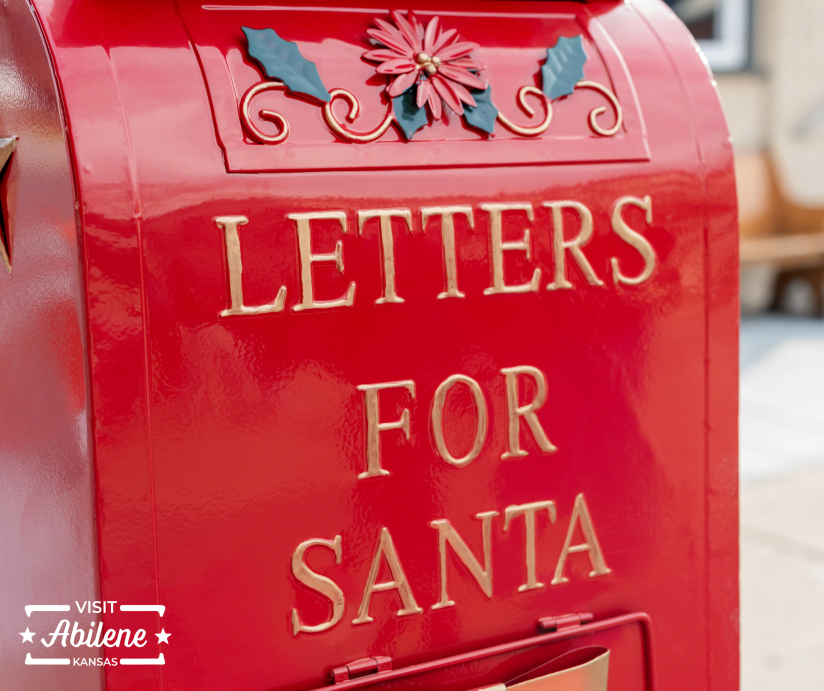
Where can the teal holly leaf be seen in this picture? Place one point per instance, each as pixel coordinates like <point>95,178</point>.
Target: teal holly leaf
<point>564,67</point>
<point>484,113</point>
<point>408,115</point>
<point>282,60</point>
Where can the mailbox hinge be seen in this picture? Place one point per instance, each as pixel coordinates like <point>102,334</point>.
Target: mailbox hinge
<point>565,621</point>
<point>361,668</point>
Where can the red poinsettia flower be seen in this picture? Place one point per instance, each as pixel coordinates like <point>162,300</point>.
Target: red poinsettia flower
<point>437,61</point>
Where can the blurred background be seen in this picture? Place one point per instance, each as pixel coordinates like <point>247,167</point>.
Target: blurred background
<point>768,57</point>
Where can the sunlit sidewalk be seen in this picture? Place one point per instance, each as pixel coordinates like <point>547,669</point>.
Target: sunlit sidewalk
<point>782,504</point>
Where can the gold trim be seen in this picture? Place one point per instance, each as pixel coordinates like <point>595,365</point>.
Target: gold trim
<point>619,113</point>
<point>528,511</point>
<point>560,245</point>
<point>254,131</point>
<point>385,551</point>
<point>523,92</point>
<point>634,239</point>
<point>447,535</point>
<point>320,584</point>
<point>450,254</point>
<point>338,129</point>
<point>580,514</point>
<point>354,108</point>
<point>482,419</point>
<point>525,412</point>
<point>234,265</point>
<point>374,426</point>
<point>499,246</point>
<point>387,247</point>
<point>307,258</point>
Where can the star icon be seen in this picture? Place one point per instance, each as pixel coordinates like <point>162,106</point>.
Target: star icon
<point>27,636</point>
<point>7,147</point>
<point>162,637</point>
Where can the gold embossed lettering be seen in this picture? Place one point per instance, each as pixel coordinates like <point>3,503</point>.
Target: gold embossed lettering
<point>321,584</point>
<point>374,426</point>
<point>447,535</point>
<point>229,225</point>
<point>560,245</point>
<point>634,239</point>
<point>481,419</point>
<point>386,551</point>
<point>580,515</point>
<point>496,237</point>
<point>450,260</point>
<point>526,411</point>
<point>528,511</point>
<point>387,246</point>
<point>307,258</point>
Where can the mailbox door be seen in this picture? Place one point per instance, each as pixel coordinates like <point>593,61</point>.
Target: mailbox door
<point>375,378</point>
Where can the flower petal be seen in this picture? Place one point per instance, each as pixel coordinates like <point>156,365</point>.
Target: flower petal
<point>419,30</point>
<point>435,105</point>
<point>461,92</point>
<point>407,30</point>
<point>402,83</point>
<point>460,75</point>
<point>392,42</point>
<point>441,87</point>
<point>442,40</point>
<point>424,89</point>
<point>431,35</point>
<point>456,50</point>
<point>398,66</point>
<point>383,25</point>
<point>381,55</point>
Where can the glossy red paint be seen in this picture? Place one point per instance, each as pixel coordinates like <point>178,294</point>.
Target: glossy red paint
<point>47,519</point>
<point>222,443</point>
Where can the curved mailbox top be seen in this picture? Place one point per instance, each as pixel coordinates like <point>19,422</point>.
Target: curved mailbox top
<point>405,330</point>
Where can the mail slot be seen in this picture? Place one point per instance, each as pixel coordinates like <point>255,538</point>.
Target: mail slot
<point>353,347</point>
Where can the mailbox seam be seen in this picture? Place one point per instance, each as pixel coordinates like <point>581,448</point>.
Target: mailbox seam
<point>209,97</point>
<point>137,219</point>
<point>702,172</point>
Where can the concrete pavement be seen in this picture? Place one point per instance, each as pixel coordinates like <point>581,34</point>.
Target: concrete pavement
<point>782,503</point>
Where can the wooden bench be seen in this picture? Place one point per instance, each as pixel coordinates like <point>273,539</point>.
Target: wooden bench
<point>774,231</point>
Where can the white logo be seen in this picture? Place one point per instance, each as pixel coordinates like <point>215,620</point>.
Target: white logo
<point>77,635</point>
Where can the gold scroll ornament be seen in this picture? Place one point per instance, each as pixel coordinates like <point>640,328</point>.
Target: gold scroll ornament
<point>339,129</point>
<point>590,675</point>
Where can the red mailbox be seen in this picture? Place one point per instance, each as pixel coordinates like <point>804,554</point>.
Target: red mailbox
<point>363,347</point>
